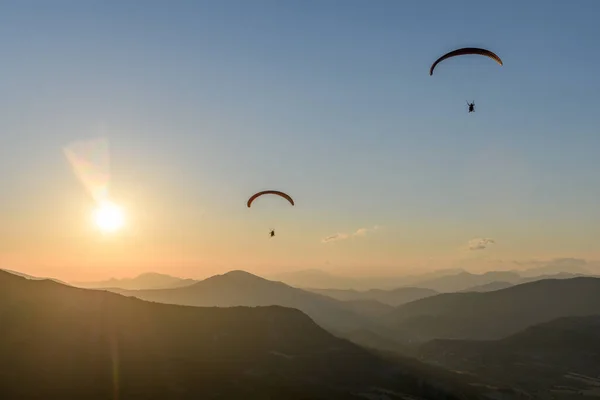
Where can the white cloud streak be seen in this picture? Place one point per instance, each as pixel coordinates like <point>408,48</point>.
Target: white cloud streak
<point>480,243</point>
<point>360,232</point>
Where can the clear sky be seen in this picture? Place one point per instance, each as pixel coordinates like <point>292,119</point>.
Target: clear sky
<point>206,102</point>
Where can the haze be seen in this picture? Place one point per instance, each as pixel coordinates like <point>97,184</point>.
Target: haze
<point>205,103</point>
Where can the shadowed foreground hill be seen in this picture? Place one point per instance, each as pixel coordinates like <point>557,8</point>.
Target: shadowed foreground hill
<point>239,288</point>
<point>36,278</point>
<point>497,314</point>
<point>69,343</point>
<point>563,355</point>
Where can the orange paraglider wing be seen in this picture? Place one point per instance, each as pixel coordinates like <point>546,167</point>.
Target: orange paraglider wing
<point>464,51</point>
<point>275,192</point>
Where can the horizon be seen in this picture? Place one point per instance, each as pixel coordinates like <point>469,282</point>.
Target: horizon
<point>590,269</point>
<point>185,110</point>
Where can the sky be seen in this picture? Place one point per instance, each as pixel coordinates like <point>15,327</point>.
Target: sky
<point>203,103</point>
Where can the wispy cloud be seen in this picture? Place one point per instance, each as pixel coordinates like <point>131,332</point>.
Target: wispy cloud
<point>480,243</point>
<point>343,236</point>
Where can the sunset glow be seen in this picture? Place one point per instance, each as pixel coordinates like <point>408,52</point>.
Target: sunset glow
<point>109,217</point>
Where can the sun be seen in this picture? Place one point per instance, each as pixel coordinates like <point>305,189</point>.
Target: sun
<point>109,217</point>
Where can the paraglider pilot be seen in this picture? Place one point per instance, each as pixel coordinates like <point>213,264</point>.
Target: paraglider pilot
<point>471,106</point>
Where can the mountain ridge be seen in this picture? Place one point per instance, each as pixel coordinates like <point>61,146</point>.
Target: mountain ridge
<point>68,342</point>
<point>496,314</point>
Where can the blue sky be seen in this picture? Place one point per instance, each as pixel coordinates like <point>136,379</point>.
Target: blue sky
<point>205,102</point>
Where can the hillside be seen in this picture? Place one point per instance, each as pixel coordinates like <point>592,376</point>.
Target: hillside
<point>314,278</point>
<point>27,276</point>
<point>466,280</point>
<point>394,297</point>
<point>368,308</point>
<point>561,275</point>
<point>239,288</point>
<point>559,266</point>
<point>145,281</point>
<point>65,342</point>
<point>317,279</point>
<point>561,354</point>
<point>489,287</point>
<point>494,315</point>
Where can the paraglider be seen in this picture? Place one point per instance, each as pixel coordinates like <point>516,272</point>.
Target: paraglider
<point>465,51</point>
<point>275,192</point>
<point>471,106</point>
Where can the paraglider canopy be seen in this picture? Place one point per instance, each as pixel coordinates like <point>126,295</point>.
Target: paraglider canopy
<point>465,51</point>
<point>275,192</point>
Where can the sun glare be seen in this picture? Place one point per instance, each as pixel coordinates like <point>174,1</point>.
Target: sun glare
<point>109,217</point>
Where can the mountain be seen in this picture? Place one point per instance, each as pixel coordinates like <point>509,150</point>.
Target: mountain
<point>465,280</point>
<point>21,274</point>
<point>71,343</point>
<point>489,287</point>
<point>145,281</point>
<point>314,278</point>
<point>562,355</point>
<point>561,275</point>
<point>369,308</point>
<point>394,297</point>
<point>317,279</point>
<point>558,266</point>
<point>494,315</point>
<point>240,288</point>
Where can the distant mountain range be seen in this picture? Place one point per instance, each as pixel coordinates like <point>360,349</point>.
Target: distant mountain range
<point>394,297</point>
<point>317,279</point>
<point>495,314</point>
<point>64,342</point>
<point>466,280</point>
<point>489,287</point>
<point>497,332</point>
<point>461,282</point>
<point>443,281</point>
<point>240,288</point>
<point>468,315</point>
<point>557,357</point>
<point>149,280</point>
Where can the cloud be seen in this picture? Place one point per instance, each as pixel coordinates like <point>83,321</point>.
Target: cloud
<point>480,243</point>
<point>343,236</point>
<point>336,237</point>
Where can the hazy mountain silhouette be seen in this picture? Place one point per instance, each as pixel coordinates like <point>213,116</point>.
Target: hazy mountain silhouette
<point>317,279</point>
<point>240,288</point>
<point>64,342</point>
<point>489,287</point>
<point>314,278</point>
<point>465,280</point>
<point>563,354</point>
<point>394,297</point>
<point>561,275</point>
<point>149,280</point>
<point>369,308</point>
<point>497,314</point>
<point>558,266</point>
